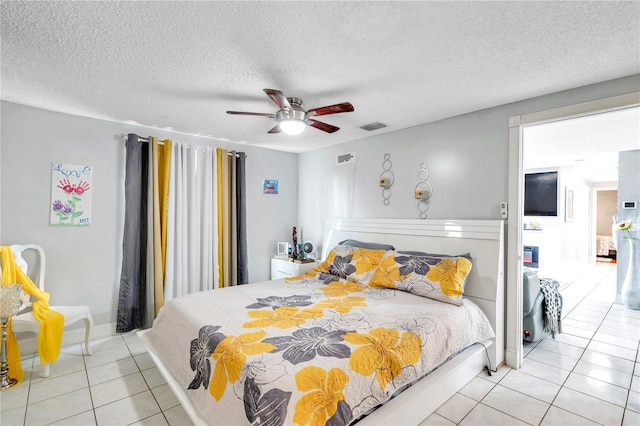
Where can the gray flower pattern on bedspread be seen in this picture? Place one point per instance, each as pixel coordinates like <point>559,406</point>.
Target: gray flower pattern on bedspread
<point>342,266</point>
<point>278,302</point>
<point>415,264</point>
<point>304,344</point>
<point>322,358</point>
<point>201,350</point>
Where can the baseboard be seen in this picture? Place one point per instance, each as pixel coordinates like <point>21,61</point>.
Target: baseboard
<point>29,345</point>
<point>514,358</point>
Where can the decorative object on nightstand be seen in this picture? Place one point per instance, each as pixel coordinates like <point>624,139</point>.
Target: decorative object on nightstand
<point>9,305</point>
<point>308,250</point>
<point>294,240</point>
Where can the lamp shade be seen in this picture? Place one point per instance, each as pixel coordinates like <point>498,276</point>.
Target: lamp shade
<point>9,299</point>
<point>292,126</point>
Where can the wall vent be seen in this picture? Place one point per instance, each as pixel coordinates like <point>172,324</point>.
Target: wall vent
<point>349,157</point>
<point>373,126</point>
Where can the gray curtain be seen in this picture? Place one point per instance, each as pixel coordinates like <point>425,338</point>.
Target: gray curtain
<point>133,278</point>
<point>241,218</point>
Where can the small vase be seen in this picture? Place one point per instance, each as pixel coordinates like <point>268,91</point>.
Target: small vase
<point>630,291</point>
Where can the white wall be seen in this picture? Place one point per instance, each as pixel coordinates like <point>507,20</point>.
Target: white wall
<point>467,157</point>
<point>628,190</point>
<point>607,207</point>
<point>84,263</point>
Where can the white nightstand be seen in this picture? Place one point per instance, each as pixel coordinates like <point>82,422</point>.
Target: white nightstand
<point>281,268</point>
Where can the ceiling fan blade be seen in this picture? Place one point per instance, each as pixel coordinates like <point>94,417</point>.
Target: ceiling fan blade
<point>331,109</point>
<point>262,114</point>
<point>278,97</point>
<point>323,126</point>
<point>276,129</point>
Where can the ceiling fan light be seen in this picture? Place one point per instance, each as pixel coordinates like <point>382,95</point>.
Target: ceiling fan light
<point>292,127</point>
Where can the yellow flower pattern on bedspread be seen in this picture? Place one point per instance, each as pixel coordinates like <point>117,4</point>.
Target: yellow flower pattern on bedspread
<point>285,317</point>
<point>231,355</point>
<point>450,273</point>
<point>324,348</point>
<point>343,305</point>
<point>323,393</point>
<point>384,352</point>
<point>437,278</point>
<point>339,288</point>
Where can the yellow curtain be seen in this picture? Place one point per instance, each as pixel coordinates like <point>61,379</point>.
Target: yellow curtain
<point>161,163</point>
<point>225,253</point>
<point>51,322</point>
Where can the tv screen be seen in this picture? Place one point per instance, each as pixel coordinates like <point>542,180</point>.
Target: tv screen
<point>541,194</point>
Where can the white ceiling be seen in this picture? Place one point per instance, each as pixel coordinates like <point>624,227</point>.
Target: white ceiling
<point>181,65</point>
<point>589,145</point>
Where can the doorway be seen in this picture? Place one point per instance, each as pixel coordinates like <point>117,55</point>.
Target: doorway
<point>517,127</point>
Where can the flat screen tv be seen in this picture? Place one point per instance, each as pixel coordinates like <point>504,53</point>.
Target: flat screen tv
<point>541,194</point>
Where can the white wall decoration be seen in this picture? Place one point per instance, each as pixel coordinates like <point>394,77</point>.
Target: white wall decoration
<point>70,195</point>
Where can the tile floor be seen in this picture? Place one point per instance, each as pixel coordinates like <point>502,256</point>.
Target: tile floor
<point>589,375</point>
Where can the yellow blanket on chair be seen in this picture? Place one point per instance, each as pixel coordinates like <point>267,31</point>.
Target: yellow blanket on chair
<point>51,322</point>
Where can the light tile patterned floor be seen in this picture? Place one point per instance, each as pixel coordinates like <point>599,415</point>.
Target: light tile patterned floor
<point>118,385</point>
<point>589,375</point>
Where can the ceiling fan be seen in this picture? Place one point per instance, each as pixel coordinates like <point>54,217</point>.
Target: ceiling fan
<point>293,117</point>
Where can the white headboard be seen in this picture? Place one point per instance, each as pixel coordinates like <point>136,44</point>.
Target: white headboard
<point>484,239</point>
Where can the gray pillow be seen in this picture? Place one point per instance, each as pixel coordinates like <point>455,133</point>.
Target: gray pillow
<point>366,245</point>
<point>422,253</point>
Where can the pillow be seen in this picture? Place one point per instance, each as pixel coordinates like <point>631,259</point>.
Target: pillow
<point>366,245</point>
<point>448,256</point>
<point>352,263</point>
<point>438,278</point>
<point>422,253</point>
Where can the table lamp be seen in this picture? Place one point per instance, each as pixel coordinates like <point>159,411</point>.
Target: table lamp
<point>9,305</point>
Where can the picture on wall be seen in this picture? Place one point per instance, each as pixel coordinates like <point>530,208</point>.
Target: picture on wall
<point>270,187</point>
<point>70,195</point>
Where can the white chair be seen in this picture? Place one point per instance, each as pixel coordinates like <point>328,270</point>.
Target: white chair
<point>25,321</point>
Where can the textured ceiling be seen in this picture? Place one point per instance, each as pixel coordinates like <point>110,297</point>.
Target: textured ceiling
<point>588,145</point>
<point>183,64</point>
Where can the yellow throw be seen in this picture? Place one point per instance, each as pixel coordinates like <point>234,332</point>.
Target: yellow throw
<point>51,322</point>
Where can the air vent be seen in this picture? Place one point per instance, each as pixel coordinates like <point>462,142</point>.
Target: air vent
<point>349,157</point>
<point>373,126</point>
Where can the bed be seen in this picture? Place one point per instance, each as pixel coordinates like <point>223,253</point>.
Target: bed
<point>605,246</point>
<point>340,348</point>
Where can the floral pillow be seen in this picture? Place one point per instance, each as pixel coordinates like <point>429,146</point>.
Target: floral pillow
<point>449,256</point>
<point>352,263</point>
<point>437,278</point>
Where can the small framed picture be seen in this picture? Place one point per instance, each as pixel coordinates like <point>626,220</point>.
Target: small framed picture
<point>270,187</point>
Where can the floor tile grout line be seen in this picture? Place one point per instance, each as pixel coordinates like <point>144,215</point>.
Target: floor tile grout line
<point>585,349</point>
<point>86,370</point>
<point>148,387</point>
<point>582,355</point>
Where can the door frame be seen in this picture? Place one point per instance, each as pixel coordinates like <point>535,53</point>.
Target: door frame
<point>514,352</point>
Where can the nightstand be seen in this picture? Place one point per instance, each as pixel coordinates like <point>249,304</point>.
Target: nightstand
<point>281,268</point>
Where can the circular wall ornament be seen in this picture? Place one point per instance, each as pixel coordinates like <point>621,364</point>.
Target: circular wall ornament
<point>423,191</point>
<point>386,179</point>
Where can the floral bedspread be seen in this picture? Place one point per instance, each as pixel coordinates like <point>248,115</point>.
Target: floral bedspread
<point>321,350</point>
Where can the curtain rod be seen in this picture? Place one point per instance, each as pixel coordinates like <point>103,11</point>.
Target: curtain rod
<point>142,139</point>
